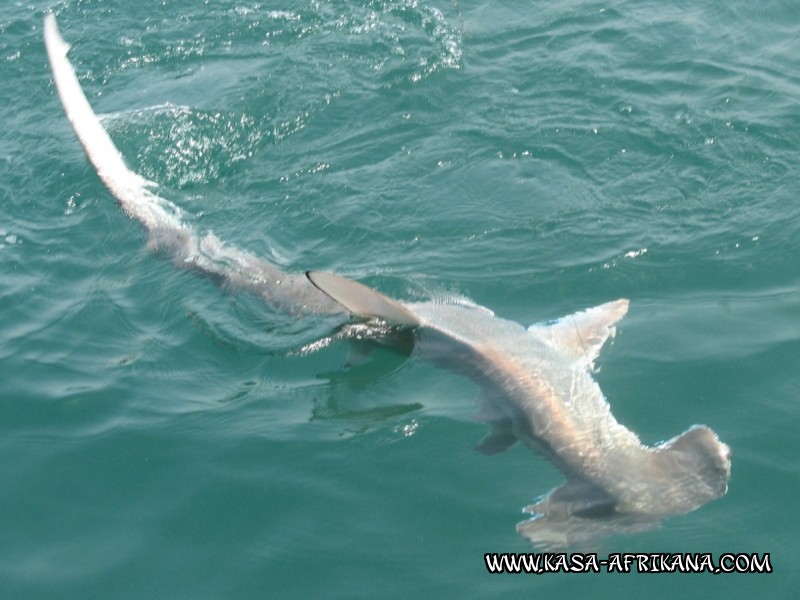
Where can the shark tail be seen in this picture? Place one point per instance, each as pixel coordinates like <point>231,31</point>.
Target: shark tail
<point>207,254</point>
<point>129,188</point>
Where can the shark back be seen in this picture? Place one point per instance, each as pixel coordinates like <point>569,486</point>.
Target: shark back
<point>537,388</point>
<point>536,383</point>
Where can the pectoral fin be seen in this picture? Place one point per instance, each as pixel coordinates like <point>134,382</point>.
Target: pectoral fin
<point>577,497</point>
<point>581,335</point>
<point>499,439</point>
<point>361,300</point>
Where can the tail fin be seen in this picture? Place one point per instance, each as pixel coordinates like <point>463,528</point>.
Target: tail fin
<point>207,255</point>
<point>129,188</point>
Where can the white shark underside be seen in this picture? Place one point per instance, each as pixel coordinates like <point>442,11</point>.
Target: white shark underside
<point>536,383</point>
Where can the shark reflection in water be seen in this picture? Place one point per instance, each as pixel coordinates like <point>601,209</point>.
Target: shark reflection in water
<point>536,382</point>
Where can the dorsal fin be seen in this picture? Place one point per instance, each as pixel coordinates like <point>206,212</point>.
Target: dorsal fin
<point>581,335</point>
<point>361,300</point>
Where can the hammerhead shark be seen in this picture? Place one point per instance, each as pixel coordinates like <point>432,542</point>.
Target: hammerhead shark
<point>536,383</point>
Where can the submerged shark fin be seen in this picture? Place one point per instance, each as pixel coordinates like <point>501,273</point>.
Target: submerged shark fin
<point>361,300</point>
<point>499,439</point>
<point>581,335</point>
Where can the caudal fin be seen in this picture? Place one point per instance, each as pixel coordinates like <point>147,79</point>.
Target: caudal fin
<point>206,255</point>
<point>129,188</point>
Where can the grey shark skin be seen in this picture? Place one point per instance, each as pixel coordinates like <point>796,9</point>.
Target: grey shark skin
<point>537,388</point>
<point>205,254</point>
<point>537,385</point>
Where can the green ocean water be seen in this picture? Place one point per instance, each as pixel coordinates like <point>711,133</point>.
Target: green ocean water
<point>163,438</point>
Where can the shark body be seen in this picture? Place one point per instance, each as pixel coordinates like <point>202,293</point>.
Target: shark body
<point>536,383</point>
<point>537,388</point>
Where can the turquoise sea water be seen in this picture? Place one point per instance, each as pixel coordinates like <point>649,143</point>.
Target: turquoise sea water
<point>161,438</point>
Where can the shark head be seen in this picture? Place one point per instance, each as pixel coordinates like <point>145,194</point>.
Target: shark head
<point>676,476</point>
<point>682,474</point>
<point>700,462</point>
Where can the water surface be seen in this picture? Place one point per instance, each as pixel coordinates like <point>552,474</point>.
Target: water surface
<point>162,438</point>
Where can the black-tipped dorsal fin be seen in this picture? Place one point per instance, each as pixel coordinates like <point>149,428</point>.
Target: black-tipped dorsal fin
<point>361,300</point>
